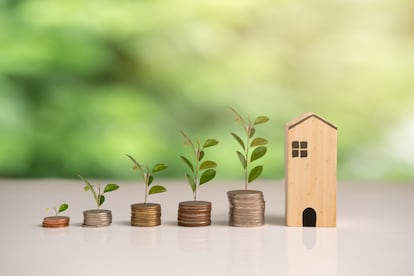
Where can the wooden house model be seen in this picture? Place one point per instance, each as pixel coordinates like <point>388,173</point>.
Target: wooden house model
<point>310,171</point>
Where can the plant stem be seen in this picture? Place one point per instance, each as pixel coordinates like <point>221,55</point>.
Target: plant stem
<point>197,154</point>
<point>248,130</point>
<point>56,212</point>
<point>197,151</point>
<point>238,116</point>
<point>98,199</point>
<point>146,185</point>
<point>95,196</point>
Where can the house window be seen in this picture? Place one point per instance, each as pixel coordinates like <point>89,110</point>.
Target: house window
<point>300,148</point>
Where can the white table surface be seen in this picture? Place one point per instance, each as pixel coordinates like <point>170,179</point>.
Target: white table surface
<point>374,235</point>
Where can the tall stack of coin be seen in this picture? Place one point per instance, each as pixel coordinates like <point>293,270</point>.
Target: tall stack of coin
<point>246,208</point>
<point>194,213</point>
<point>97,218</point>
<point>145,214</point>
<point>56,222</point>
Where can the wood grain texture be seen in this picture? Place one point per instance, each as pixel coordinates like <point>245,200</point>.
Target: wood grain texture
<point>311,181</point>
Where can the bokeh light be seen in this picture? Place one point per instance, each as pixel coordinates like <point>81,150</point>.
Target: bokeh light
<point>84,82</point>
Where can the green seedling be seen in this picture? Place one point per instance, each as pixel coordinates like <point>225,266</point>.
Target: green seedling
<point>206,167</point>
<point>63,207</point>
<point>246,156</point>
<point>148,177</point>
<point>96,191</point>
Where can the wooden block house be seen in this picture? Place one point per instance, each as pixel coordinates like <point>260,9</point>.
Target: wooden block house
<point>310,171</point>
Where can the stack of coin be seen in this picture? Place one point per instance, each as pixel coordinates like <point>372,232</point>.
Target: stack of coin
<point>97,218</point>
<point>194,213</point>
<point>145,214</point>
<point>246,208</point>
<point>55,222</point>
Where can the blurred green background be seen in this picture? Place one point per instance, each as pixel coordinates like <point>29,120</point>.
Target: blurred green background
<point>82,82</point>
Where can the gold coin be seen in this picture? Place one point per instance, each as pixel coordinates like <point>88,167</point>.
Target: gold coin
<point>145,214</point>
<point>145,205</point>
<point>194,224</point>
<point>198,205</point>
<point>146,219</point>
<point>194,213</point>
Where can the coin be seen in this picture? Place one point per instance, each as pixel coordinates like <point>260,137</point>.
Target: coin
<point>97,218</point>
<point>145,214</point>
<point>194,213</point>
<point>55,222</point>
<point>194,224</point>
<point>246,208</point>
<point>195,205</point>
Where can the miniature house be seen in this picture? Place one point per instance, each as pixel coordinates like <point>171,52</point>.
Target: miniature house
<point>310,171</point>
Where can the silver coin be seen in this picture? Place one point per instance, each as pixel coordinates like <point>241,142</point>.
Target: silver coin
<point>97,218</point>
<point>246,208</point>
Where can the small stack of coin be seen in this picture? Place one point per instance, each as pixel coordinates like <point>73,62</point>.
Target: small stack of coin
<point>55,222</point>
<point>97,218</point>
<point>246,208</point>
<point>145,214</point>
<point>194,213</point>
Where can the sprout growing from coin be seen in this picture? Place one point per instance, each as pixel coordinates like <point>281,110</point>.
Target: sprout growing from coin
<point>201,171</point>
<point>96,191</point>
<point>56,221</point>
<point>148,176</point>
<point>63,207</point>
<point>247,156</point>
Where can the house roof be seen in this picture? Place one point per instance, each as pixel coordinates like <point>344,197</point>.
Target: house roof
<point>306,116</point>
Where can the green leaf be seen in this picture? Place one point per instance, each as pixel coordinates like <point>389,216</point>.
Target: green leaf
<point>188,163</point>
<point>201,155</point>
<point>258,142</point>
<point>191,182</point>
<point>208,165</point>
<point>187,140</point>
<point>252,132</point>
<point>255,173</point>
<point>136,166</point>
<point>258,153</point>
<point>110,188</point>
<point>238,116</point>
<point>207,176</point>
<point>150,179</point>
<point>101,200</point>
<point>210,143</point>
<point>159,167</point>
<point>157,189</point>
<point>63,207</point>
<point>90,188</point>
<point>242,159</point>
<point>238,139</point>
<point>261,120</point>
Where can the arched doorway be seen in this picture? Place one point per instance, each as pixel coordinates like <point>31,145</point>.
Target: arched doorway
<point>309,217</point>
